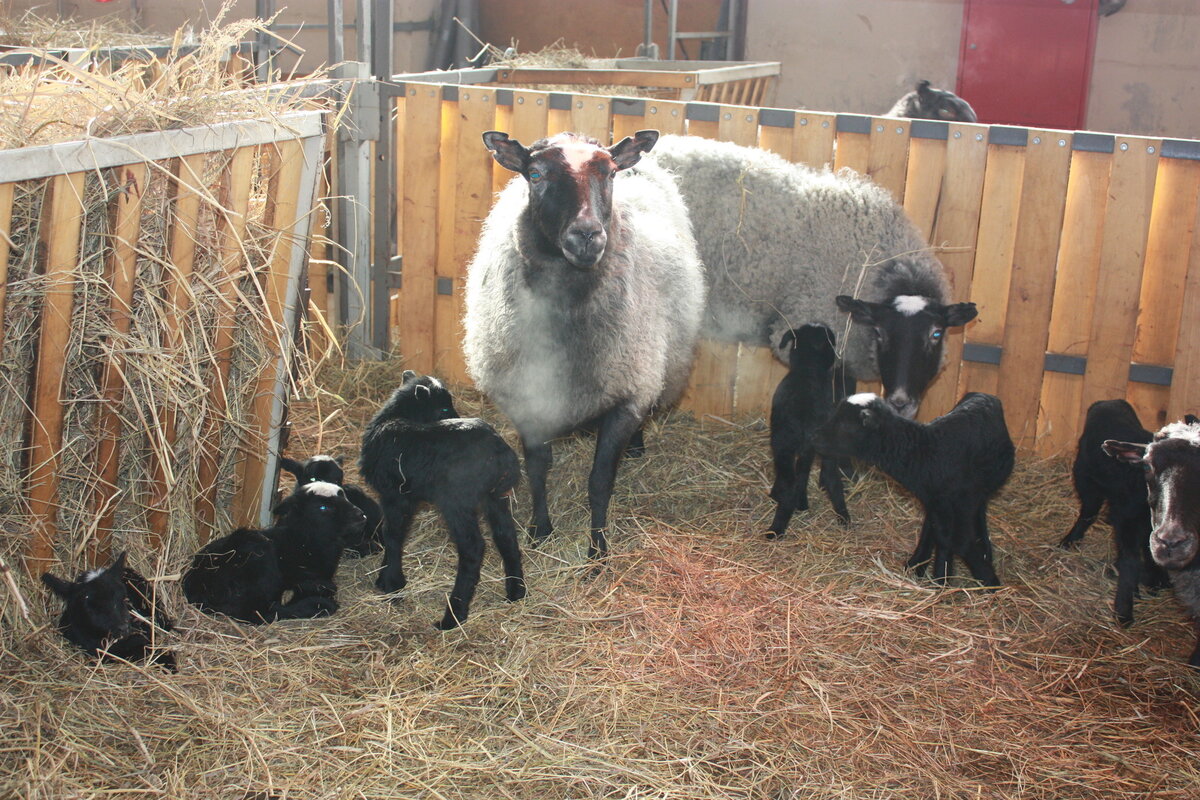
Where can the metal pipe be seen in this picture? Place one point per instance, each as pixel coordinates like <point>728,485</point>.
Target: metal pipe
<point>672,19</point>
<point>337,31</point>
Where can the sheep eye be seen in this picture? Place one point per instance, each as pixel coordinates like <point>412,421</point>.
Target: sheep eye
<point>535,176</point>
<point>322,507</point>
<point>936,334</point>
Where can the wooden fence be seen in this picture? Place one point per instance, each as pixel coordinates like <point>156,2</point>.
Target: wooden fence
<point>1077,247</point>
<point>208,301</point>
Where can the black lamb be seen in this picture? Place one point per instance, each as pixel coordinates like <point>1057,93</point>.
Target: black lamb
<point>329,469</point>
<point>417,450</point>
<point>1099,479</point>
<point>245,575</point>
<point>111,613</point>
<point>802,403</point>
<point>953,465</point>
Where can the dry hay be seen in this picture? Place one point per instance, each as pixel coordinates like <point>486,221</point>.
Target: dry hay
<point>703,662</point>
<point>560,56</point>
<point>38,31</point>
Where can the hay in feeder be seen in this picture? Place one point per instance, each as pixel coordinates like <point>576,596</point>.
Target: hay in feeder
<point>702,662</point>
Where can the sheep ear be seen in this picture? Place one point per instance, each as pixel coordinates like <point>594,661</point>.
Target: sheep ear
<point>923,89</point>
<point>291,465</point>
<point>421,392</point>
<point>959,314</point>
<point>509,153</point>
<point>284,506</point>
<point>1128,452</point>
<point>1190,419</point>
<point>629,150</point>
<point>859,310</point>
<point>57,585</point>
<point>339,460</point>
<point>118,565</point>
<point>408,376</point>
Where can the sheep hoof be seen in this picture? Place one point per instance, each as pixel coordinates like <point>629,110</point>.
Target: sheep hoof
<point>773,535</point>
<point>447,623</point>
<point>388,585</point>
<point>514,589</point>
<point>538,534</point>
<point>1069,543</point>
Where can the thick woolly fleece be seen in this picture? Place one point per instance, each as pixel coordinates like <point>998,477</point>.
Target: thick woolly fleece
<point>780,241</point>
<point>555,346</point>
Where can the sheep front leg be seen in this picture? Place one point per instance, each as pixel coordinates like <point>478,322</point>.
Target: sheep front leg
<point>398,516</point>
<point>919,560</point>
<point>616,428</point>
<point>538,458</point>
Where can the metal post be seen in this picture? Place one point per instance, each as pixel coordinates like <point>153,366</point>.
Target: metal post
<point>385,179</point>
<point>337,31</point>
<point>672,29</point>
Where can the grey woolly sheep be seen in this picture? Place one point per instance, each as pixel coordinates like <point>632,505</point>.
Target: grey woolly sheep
<point>785,245</point>
<point>583,302</point>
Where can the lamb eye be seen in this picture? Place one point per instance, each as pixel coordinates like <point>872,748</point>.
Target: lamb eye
<point>322,507</point>
<point>535,176</point>
<point>936,334</point>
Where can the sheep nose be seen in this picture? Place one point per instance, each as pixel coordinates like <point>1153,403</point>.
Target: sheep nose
<point>903,405</point>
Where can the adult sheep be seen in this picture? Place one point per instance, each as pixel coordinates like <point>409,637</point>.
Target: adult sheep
<point>583,302</point>
<point>785,245</point>
<point>927,102</point>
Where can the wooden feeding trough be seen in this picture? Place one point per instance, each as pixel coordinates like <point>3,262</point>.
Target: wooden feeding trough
<point>739,82</point>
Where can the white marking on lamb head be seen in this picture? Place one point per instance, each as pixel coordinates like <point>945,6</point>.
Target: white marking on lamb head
<point>323,489</point>
<point>909,304</point>
<point>321,458</point>
<point>863,399</point>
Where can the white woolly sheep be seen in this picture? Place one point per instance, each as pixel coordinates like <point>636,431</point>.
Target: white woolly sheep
<point>785,245</point>
<point>583,302</point>
<point>1172,467</point>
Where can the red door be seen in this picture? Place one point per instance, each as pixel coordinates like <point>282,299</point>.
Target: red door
<point>1027,62</point>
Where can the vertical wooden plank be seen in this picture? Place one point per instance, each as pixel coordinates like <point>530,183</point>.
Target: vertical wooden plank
<point>1119,280</point>
<point>591,116</point>
<point>502,122</point>
<point>530,117</point>
<point>776,139</point>
<point>666,116</point>
<point>758,373</point>
<point>445,333</point>
<point>923,182</point>
<point>419,207</point>
<point>186,177</point>
<point>286,163</point>
<point>993,260</point>
<point>6,206</point>
<point>234,198</point>
<point>888,161</point>
<point>473,199</point>
<point>1168,246</point>
<point>1074,294</point>
<point>119,272</point>
<point>558,119</point>
<point>955,233</point>
<point>710,391</point>
<point>812,139</point>
<point>738,125</point>
<point>318,276</point>
<point>1185,382</point>
<point>705,128</point>
<point>853,152</point>
<point>60,238</point>
<point>1031,287</point>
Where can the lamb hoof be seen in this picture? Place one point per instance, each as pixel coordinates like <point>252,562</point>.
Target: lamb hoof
<point>772,535</point>
<point>1069,543</point>
<point>538,534</point>
<point>448,622</point>
<point>514,589</point>
<point>387,584</point>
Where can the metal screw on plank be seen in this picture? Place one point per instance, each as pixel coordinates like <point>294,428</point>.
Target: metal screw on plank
<point>899,130</point>
<point>879,129</point>
<point>1124,146</point>
<point>1150,149</point>
<point>466,96</point>
<point>728,115</point>
<point>539,101</point>
<point>825,124</point>
<point>412,92</point>
<point>520,100</point>
<point>674,112</point>
<point>653,109</point>
<point>979,137</point>
<point>579,104</point>
<point>958,134</point>
<point>1037,140</point>
<point>1062,142</point>
<point>804,120</point>
<point>749,118</point>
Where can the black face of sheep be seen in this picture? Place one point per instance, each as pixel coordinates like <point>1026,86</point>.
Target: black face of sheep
<point>570,187</point>
<point>317,468</point>
<point>909,335</point>
<point>1172,466</point>
<point>926,102</point>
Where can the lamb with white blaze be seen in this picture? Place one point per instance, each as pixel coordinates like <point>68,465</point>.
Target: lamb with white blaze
<point>785,245</point>
<point>953,465</point>
<point>1100,479</point>
<point>1171,463</point>
<point>329,469</point>
<point>583,302</point>
<point>112,613</point>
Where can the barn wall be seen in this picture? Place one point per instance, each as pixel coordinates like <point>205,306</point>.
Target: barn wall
<point>860,55</point>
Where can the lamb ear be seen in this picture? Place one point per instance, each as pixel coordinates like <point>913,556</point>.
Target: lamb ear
<point>1190,419</point>
<point>421,392</point>
<point>339,460</point>
<point>509,153</point>
<point>407,376</point>
<point>57,585</point>
<point>960,314</point>
<point>788,339</point>
<point>923,88</point>
<point>291,465</point>
<point>284,506</point>
<point>118,565</point>
<point>1128,452</point>
<point>629,150</point>
<point>859,310</point>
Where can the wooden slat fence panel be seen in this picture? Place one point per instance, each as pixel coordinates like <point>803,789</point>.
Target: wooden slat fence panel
<point>1044,235</point>
<point>6,208</point>
<point>420,206</point>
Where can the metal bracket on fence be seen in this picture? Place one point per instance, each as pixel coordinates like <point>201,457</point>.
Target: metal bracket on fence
<point>1153,374</point>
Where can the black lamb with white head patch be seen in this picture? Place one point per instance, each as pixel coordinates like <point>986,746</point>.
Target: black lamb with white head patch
<point>953,465</point>
<point>329,469</point>
<point>112,612</point>
<point>245,575</point>
<point>802,403</point>
<point>417,450</point>
<point>1100,479</point>
<point>926,102</point>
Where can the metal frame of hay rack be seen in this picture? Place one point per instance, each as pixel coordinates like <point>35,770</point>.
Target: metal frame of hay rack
<point>150,287</point>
